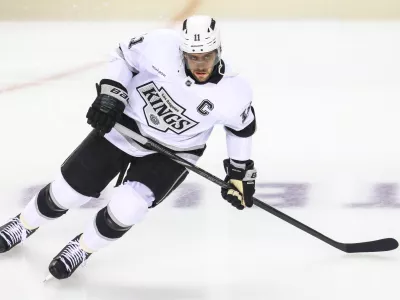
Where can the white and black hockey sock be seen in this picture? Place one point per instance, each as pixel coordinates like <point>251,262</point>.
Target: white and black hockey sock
<point>40,209</point>
<point>52,202</point>
<point>128,206</point>
<point>102,232</point>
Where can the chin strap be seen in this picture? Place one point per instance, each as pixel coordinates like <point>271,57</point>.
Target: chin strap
<point>219,69</point>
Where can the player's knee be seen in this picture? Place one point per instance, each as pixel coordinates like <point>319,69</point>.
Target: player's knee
<point>126,208</point>
<point>56,198</point>
<point>127,205</point>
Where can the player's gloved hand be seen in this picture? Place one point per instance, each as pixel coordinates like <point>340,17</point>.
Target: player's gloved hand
<point>242,175</point>
<point>108,107</point>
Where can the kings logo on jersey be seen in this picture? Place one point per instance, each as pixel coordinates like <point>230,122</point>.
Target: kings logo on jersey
<point>161,112</point>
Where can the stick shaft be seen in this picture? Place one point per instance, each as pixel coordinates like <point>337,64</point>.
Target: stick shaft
<point>163,150</point>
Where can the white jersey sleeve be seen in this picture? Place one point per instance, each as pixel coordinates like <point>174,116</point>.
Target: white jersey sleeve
<point>133,57</point>
<point>125,61</point>
<point>132,53</point>
<point>241,125</point>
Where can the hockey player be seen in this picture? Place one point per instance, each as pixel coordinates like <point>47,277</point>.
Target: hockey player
<point>173,88</point>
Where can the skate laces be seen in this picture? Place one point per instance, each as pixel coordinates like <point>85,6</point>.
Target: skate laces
<point>14,232</point>
<point>73,255</point>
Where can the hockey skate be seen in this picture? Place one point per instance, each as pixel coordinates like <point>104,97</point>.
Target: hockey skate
<point>12,233</point>
<point>65,263</point>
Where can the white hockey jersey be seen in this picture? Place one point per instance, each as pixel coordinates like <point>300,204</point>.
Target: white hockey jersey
<point>169,107</point>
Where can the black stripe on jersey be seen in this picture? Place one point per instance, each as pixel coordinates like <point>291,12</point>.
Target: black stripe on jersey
<point>248,131</point>
<point>120,52</point>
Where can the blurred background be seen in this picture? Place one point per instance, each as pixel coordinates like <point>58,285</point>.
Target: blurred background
<point>133,10</point>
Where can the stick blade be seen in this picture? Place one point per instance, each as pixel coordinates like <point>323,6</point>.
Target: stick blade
<point>372,246</point>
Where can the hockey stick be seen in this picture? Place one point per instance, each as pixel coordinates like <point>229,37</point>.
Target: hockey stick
<point>371,246</point>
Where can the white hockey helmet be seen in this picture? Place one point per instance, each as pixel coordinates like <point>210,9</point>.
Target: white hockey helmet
<point>200,34</point>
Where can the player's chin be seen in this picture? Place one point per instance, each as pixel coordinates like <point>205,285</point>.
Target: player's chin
<point>201,76</point>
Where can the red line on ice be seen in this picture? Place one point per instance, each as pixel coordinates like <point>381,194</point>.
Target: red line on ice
<point>53,77</point>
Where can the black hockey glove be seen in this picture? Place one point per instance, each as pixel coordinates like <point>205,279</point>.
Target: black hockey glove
<point>241,175</point>
<point>108,107</point>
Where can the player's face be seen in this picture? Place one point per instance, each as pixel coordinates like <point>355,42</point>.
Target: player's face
<point>201,64</point>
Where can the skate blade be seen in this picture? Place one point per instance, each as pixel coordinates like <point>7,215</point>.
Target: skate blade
<point>48,277</point>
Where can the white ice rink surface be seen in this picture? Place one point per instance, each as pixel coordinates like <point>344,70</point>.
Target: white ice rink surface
<point>327,98</point>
